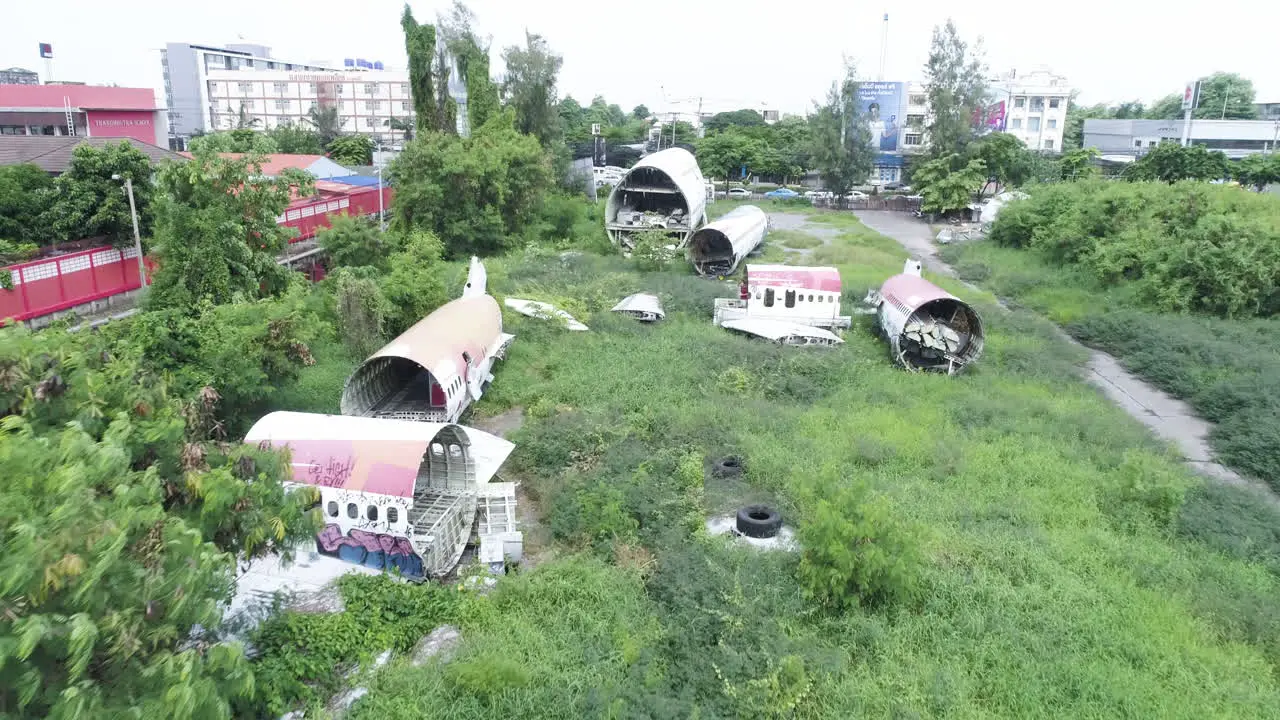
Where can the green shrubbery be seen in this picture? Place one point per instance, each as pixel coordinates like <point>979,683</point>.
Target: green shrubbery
<point>302,657</point>
<point>855,552</point>
<point>1184,247</point>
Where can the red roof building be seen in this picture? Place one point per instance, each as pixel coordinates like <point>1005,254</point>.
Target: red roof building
<point>93,111</point>
<point>320,167</point>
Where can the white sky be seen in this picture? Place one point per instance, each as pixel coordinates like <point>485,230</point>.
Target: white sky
<point>733,53</point>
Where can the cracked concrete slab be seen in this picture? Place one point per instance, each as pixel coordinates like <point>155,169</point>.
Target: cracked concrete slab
<point>1167,417</point>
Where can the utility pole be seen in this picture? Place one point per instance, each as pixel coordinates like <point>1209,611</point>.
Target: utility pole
<point>137,237</point>
<point>884,46</point>
<point>1224,101</point>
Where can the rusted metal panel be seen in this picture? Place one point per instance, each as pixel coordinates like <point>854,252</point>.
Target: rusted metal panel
<point>665,191</point>
<point>720,246</point>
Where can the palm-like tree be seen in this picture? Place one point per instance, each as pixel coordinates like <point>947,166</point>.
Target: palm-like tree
<point>325,120</point>
<point>246,121</point>
<point>404,125</point>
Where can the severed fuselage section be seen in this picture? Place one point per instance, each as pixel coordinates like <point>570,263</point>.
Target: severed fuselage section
<point>927,328</point>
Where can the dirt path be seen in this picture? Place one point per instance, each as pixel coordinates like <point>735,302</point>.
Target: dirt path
<point>793,221</point>
<point>1169,418</point>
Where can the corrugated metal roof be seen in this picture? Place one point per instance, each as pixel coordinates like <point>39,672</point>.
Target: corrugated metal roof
<point>361,180</point>
<point>53,153</point>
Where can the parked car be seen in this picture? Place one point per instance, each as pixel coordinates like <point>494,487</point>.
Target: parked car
<point>856,195</point>
<point>782,193</point>
<point>739,193</point>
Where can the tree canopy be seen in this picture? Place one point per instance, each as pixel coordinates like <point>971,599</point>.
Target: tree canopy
<point>1258,171</point>
<point>1171,162</point>
<point>841,138</point>
<point>1222,95</point>
<point>955,88</point>
<point>240,140</point>
<point>736,118</point>
<point>216,232</point>
<point>529,87</point>
<point>724,154</point>
<point>90,203</point>
<point>25,193</point>
<point>477,194</point>
<point>948,183</point>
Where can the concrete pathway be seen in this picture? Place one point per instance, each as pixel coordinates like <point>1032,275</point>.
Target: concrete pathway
<point>1169,418</point>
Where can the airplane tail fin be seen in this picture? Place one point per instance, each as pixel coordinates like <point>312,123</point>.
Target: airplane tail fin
<point>477,279</point>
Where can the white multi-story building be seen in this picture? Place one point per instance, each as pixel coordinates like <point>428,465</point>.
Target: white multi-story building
<point>1035,106</point>
<point>186,69</point>
<point>366,100</point>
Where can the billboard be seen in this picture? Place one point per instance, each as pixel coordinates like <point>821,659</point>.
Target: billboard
<point>883,104</point>
<point>46,50</point>
<point>989,118</point>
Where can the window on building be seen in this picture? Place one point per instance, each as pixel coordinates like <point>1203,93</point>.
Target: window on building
<point>916,99</point>
<point>1020,102</point>
<point>371,88</point>
<point>353,512</point>
<point>311,88</point>
<point>1054,103</point>
<point>244,87</point>
<point>393,515</point>
<point>404,88</point>
<point>1153,143</point>
<point>1033,124</point>
<point>915,121</point>
<point>372,105</point>
<point>313,106</point>
<point>341,88</point>
<point>1037,104</point>
<point>288,66</point>
<point>1016,124</point>
<point>1137,143</point>
<point>271,65</point>
<point>249,105</point>
<point>1053,123</point>
<point>1048,144</point>
<point>280,88</point>
<point>404,106</point>
<point>282,104</point>
<point>248,62</point>
<point>370,122</point>
<point>912,139</point>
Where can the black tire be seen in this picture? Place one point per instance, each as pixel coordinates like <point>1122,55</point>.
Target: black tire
<point>729,466</point>
<point>759,521</point>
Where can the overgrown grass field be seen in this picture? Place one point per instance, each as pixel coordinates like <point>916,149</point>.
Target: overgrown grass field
<point>1062,563</point>
<point>1228,369</point>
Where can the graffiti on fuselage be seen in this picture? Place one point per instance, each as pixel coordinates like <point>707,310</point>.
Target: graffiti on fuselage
<point>373,550</point>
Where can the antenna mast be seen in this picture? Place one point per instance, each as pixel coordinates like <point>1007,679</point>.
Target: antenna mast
<point>884,46</point>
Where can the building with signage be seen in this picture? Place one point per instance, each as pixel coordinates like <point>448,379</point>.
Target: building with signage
<point>1268,111</point>
<point>1124,140</point>
<point>84,111</point>
<point>186,69</point>
<point>19,76</point>
<point>1031,106</point>
<point>367,100</point>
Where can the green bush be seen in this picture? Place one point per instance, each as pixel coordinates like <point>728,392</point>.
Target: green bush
<point>856,552</point>
<point>302,657</point>
<point>1187,247</point>
<point>649,250</point>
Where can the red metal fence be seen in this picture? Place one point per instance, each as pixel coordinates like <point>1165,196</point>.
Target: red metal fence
<point>41,287</point>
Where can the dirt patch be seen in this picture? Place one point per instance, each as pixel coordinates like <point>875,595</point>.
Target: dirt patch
<point>795,223</point>
<point>502,424</point>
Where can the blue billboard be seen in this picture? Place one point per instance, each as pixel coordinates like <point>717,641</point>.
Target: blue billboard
<point>883,104</point>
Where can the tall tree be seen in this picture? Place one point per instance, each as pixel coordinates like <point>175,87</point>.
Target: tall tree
<point>948,183</point>
<point>326,121</point>
<point>736,118</point>
<point>240,140</point>
<point>245,121</point>
<point>955,88</point>
<point>640,112</point>
<point>91,203</point>
<point>1258,171</point>
<point>216,232</point>
<point>1222,96</point>
<point>1006,159</point>
<point>352,150</point>
<point>726,153</point>
<point>841,141</point>
<point>296,139</point>
<point>1170,162</point>
<point>530,87</point>
<point>420,46</point>
<point>471,53</point>
<point>25,192</point>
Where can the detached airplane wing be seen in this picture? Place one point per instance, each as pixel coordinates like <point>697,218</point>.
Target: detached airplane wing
<point>544,311</point>
<point>488,452</point>
<point>781,331</point>
<point>641,306</point>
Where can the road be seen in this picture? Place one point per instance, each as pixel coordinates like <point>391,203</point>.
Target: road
<point>1167,417</point>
